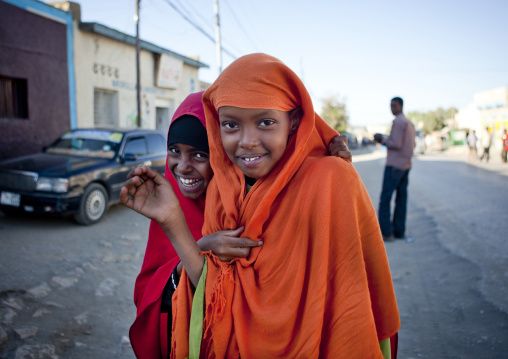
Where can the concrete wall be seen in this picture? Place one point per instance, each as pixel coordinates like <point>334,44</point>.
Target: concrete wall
<point>107,64</point>
<point>490,108</point>
<point>34,48</point>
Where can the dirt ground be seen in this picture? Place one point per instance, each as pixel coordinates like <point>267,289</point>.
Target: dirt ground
<point>66,290</point>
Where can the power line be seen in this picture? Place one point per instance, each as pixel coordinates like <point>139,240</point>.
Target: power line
<point>240,24</point>
<point>199,28</point>
<point>195,13</point>
<point>197,17</point>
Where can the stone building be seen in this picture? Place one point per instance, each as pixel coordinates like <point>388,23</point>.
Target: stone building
<point>58,73</point>
<point>105,62</point>
<point>37,101</point>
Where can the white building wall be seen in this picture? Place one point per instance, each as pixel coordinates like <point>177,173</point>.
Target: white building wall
<point>489,108</point>
<point>106,64</point>
<point>468,117</point>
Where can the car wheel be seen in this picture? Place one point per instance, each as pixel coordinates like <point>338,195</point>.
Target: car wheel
<point>93,205</point>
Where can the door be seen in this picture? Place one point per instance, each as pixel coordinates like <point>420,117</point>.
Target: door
<point>162,119</point>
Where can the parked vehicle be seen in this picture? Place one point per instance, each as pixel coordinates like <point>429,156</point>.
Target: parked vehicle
<point>352,140</point>
<point>81,173</point>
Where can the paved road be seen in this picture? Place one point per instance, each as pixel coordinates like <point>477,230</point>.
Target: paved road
<point>452,281</point>
<point>66,290</point>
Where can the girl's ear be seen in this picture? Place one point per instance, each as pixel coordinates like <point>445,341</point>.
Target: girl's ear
<point>294,119</point>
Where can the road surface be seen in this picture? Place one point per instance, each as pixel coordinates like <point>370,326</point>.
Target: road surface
<point>451,282</point>
<point>66,290</point>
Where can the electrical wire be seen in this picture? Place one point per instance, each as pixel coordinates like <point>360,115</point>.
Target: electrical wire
<point>199,28</point>
<point>193,12</point>
<point>240,24</point>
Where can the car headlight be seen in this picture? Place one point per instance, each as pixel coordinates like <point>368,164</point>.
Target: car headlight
<point>48,184</point>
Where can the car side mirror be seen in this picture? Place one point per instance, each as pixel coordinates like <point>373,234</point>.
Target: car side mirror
<point>128,157</point>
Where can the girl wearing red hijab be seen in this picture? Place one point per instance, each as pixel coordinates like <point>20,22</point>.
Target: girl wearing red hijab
<point>189,172</point>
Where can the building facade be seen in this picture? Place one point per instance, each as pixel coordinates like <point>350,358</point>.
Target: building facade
<point>488,109</point>
<point>105,62</point>
<point>37,102</point>
<point>57,73</point>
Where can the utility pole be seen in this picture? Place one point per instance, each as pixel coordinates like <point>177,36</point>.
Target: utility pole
<point>217,35</point>
<point>138,82</point>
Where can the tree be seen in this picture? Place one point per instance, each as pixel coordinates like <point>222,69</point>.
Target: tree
<point>432,120</point>
<point>334,113</point>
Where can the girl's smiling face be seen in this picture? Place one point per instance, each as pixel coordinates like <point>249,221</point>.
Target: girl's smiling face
<point>190,168</point>
<point>255,139</point>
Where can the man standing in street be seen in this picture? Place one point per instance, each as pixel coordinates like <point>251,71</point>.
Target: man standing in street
<point>400,144</point>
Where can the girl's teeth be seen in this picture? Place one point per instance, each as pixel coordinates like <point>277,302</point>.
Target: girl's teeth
<point>189,182</point>
<point>249,159</point>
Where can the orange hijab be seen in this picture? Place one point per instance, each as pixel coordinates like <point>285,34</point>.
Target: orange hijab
<point>320,286</point>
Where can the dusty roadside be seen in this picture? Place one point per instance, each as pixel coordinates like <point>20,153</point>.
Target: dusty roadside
<point>66,290</point>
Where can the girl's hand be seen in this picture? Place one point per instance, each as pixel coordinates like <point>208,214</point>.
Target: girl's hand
<point>147,192</point>
<point>338,148</point>
<point>226,245</point>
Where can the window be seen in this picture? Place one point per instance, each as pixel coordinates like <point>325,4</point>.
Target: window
<point>105,108</point>
<point>156,144</point>
<point>136,146</point>
<point>13,98</point>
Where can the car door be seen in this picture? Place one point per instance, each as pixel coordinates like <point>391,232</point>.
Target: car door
<point>133,154</point>
<point>157,151</point>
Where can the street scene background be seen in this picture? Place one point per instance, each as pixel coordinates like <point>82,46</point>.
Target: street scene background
<point>66,290</point>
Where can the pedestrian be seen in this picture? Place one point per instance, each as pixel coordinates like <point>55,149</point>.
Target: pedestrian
<point>471,142</point>
<point>189,172</point>
<point>486,142</point>
<point>400,144</point>
<point>305,292</point>
<point>504,149</point>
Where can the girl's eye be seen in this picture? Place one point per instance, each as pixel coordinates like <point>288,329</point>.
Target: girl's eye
<point>265,123</point>
<point>229,125</point>
<point>173,150</point>
<point>201,156</point>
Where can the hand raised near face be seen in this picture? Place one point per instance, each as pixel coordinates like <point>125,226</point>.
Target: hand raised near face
<point>147,192</point>
<point>338,148</point>
<point>226,245</point>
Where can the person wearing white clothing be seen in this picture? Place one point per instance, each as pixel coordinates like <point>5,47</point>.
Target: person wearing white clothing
<point>471,142</point>
<point>486,143</point>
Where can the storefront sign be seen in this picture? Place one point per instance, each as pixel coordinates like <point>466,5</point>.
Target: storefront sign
<point>106,70</point>
<point>169,72</point>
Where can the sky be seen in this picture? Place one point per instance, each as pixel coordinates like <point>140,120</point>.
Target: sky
<point>431,53</point>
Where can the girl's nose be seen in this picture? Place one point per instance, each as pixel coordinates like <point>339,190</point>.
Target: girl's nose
<point>249,138</point>
<point>184,165</point>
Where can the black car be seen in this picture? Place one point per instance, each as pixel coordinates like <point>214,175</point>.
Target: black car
<point>81,173</point>
<point>352,140</point>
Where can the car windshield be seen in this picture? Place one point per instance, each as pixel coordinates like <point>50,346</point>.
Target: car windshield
<point>88,143</point>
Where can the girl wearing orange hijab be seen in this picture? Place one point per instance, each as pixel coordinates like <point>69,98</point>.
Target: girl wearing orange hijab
<point>320,286</point>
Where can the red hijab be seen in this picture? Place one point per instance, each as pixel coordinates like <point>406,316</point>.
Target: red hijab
<point>148,334</point>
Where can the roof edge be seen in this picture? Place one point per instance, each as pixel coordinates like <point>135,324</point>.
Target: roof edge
<point>131,40</point>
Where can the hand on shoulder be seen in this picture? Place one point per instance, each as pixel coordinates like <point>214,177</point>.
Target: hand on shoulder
<point>226,245</point>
